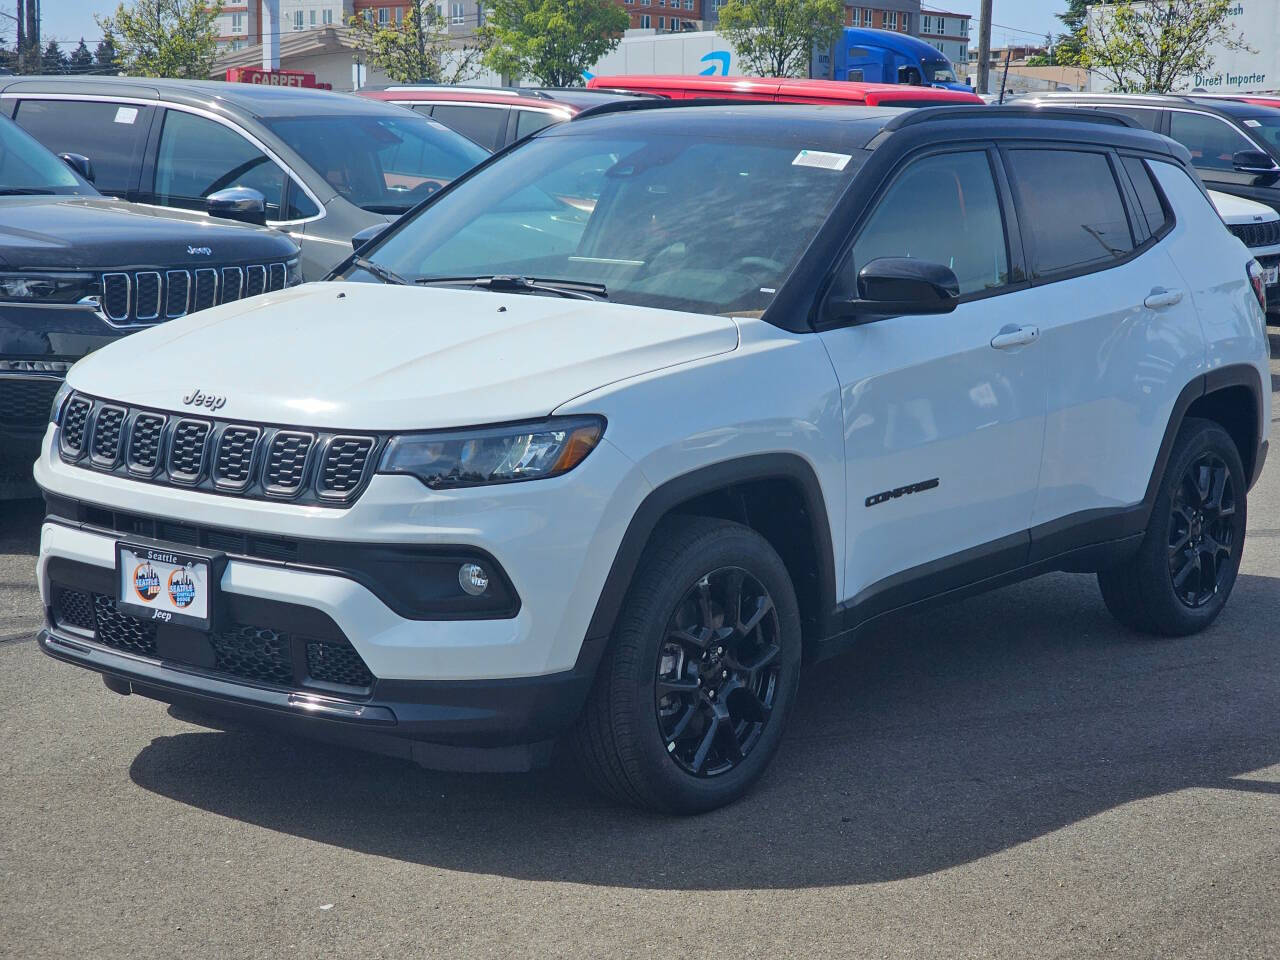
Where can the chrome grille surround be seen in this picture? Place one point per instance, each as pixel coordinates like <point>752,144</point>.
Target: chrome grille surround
<point>145,297</point>
<point>252,460</point>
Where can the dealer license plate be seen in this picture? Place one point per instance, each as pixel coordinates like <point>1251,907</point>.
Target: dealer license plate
<point>164,586</point>
<point>1271,274</point>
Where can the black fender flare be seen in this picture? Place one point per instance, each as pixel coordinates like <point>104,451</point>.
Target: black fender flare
<point>710,479</point>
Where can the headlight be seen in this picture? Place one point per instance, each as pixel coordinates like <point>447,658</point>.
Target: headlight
<point>47,287</point>
<point>520,451</point>
<point>293,273</point>
<point>59,401</point>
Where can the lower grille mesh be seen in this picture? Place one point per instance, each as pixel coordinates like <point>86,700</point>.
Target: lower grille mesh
<point>120,630</point>
<point>255,653</point>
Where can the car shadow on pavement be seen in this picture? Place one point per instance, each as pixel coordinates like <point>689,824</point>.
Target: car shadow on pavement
<point>20,526</point>
<point>946,737</point>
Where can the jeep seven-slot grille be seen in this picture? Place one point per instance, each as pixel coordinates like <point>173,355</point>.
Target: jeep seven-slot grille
<point>246,459</point>
<point>149,296</point>
<point>1257,234</point>
<point>259,654</point>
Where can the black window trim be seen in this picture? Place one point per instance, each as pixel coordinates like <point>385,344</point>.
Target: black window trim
<point>1126,200</point>
<point>1014,252</point>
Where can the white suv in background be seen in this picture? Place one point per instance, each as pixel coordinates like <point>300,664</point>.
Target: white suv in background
<point>1258,227</point>
<point>598,447</point>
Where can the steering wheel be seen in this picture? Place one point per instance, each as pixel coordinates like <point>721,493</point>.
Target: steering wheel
<point>425,189</point>
<point>745,264</point>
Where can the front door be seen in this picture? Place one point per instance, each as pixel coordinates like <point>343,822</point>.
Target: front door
<point>944,414</point>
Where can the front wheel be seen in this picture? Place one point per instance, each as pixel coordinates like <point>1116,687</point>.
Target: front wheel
<point>690,701</point>
<point>1182,575</point>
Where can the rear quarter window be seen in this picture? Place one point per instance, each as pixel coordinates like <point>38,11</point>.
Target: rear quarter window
<point>1153,208</point>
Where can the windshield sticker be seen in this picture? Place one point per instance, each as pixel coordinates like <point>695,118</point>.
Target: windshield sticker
<point>1253,123</point>
<point>817,158</point>
<point>126,114</point>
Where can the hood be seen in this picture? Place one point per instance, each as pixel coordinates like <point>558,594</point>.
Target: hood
<point>1236,210</point>
<point>364,356</point>
<point>98,233</point>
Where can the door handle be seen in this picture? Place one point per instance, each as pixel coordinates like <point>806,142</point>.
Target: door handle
<point>1012,336</point>
<point>1160,297</point>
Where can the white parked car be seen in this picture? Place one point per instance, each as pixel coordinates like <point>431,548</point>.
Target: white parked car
<point>1258,227</point>
<point>635,418</point>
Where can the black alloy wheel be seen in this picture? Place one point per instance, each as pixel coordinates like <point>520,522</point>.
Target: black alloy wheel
<point>1201,531</point>
<point>717,672</point>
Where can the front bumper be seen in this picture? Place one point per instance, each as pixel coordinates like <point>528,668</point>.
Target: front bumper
<point>479,725</point>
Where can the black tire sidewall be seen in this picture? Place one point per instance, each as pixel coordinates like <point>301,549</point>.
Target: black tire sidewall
<point>732,545</point>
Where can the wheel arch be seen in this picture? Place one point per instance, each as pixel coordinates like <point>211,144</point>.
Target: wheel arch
<point>1232,397</point>
<point>796,525</point>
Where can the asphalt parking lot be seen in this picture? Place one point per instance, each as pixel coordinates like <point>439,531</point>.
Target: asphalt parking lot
<point>1013,776</point>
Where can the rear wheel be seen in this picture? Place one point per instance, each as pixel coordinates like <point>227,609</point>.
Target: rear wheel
<point>1182,575</point>
<point>690,701</point>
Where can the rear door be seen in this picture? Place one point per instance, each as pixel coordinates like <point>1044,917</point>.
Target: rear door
<point>483,124</point>
<point>113,135</point>
<point>1118,328</point>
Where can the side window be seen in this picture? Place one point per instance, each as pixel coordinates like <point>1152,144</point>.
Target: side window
<point>486,126</point>
<point>944,209</point>
<point>111,135</point>
<point>1148,196</point>
<point>1144,118</point>
<point>531,121</point>
<point>1069,204</point>
<point>199,156</point>
<point>1212,142</point>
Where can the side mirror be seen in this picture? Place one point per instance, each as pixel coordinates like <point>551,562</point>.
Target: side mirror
<point>1253,161</point>
<point>366,236</point>
<point>896,286</point>
<point>79,163</point>
<point>239,203</point>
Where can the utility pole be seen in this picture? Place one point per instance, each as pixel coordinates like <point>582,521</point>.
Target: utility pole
<point>984,48</point>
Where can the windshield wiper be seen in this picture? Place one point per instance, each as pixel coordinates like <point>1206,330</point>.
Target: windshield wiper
<point>504,283</point>
<point>379,271</point>
<point>24,192</point>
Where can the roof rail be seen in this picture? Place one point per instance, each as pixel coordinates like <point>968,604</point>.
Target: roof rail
<point>463,88</point>
<point>997,112</point>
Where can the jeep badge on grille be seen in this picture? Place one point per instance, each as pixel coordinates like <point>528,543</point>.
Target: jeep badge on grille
<point>198,398</point>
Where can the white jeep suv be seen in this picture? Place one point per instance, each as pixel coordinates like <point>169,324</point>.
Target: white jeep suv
<point>601,443</point>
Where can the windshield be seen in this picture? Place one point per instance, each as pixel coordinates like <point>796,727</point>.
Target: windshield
<point>382,164</point>
<point>27,167</point>
<point>682,222</point>
<point>939,73</point>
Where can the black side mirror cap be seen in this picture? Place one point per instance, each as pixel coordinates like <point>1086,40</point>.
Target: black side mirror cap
<point>364,237</point>
<point>896,286</point>
<point>79,163</point>
<point>238,203</point>
<point>1253,161</point>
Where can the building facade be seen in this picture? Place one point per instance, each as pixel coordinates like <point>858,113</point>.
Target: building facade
<point>667,16</point>
<point>900,16</point>
<point>948,33</point>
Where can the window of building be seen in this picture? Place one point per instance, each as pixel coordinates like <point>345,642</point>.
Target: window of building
<point>327,16</point>
<point>384,16</point>
<point>311,18</point>
<point>688,4</point>
<point>237,23</point>
<point>926,23</point>
<point>662,3</point>
<point>1070,203</point>
<point>867,13</point>
<point>459,16</point>
<point>662,23</point>
<point>943,209</point>
<point>644,21</point>
<point>297,19</point>
<point>891,20</point>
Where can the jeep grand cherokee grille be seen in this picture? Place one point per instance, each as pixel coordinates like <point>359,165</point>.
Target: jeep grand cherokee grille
<point>1257,234</point>
<point>252,460</point>
<point>149,296</point>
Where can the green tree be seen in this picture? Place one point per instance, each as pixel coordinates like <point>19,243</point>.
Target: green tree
<point>53,60</point>
<point>1071,41</point>
<point>164,38</point>
<point>419,49</point>
<point>1151,46</point>
<point>104,56</point>
<point>81,60</point>
<point>552,41</point>
<point>776,38</point>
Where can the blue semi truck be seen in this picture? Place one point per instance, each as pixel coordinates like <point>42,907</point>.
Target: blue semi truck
<point>883,56</point>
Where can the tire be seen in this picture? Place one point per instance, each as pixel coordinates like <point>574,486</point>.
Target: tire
<point>660,752</point>
<point>1177,584</point>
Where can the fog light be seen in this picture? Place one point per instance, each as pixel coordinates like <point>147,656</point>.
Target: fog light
<point>473,579</point>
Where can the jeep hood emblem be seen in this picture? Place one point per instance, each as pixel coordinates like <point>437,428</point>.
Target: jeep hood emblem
<point>198,398</point>
<point>203,251</point>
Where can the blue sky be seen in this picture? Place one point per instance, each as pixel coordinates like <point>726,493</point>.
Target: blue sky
<point>1014,21</point>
